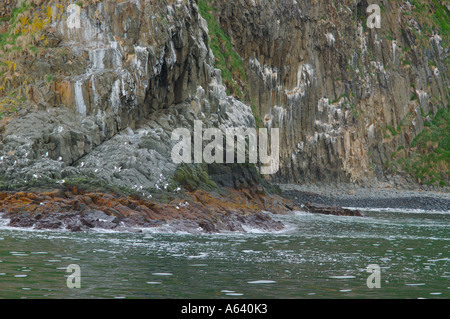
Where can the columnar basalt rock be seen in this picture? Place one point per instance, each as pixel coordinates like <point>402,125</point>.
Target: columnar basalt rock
<point>334,86</point>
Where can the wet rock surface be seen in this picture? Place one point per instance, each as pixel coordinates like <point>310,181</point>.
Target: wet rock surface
<point>331,210</point>
<point>197,212</point>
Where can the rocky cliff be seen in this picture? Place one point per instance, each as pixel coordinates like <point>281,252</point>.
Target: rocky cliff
<point>348,98</point>
<point>95,100</point>
<point>102,99</point>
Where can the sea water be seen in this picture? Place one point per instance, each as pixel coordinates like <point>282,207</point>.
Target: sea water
<point>316,256</point>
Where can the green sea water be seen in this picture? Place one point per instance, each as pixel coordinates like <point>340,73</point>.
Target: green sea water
<point>317,256</point>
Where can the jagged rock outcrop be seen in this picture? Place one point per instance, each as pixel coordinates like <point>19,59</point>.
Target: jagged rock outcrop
<point>199,211</point>
<point>132,73</point>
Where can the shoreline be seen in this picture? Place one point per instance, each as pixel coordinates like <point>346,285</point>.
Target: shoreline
<point>192,212</point>
<point>380,196</point>
<point>204,212</point>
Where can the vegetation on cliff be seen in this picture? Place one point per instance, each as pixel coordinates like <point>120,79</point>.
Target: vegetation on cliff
<point>227,60</point>
<point>428,158</point>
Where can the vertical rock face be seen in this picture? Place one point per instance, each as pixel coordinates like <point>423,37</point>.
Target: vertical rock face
<point>334,86</point>
<point>121,81</point>
<point>102,97</point>
<point>131,58</point>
